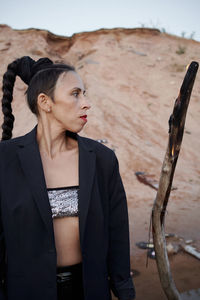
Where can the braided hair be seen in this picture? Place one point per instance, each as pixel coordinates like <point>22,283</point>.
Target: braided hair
<point>40,76</point>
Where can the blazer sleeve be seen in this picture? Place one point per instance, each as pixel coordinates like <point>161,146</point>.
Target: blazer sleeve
<point>121,282</point>
<point>2,249</point>
<point>2,263</point>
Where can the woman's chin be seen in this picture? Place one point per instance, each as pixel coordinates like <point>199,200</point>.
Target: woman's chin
<point>74,130</point>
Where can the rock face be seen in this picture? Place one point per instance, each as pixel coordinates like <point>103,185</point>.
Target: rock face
<point>133,77</point>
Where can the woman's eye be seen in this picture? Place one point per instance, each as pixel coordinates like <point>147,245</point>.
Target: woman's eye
<point>77,93</point>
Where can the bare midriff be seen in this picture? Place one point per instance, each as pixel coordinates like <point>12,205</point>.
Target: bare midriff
<point>62,171</point>
<point>66,232</point>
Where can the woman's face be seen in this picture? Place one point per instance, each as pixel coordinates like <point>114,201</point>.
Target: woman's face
<point>70,104</point>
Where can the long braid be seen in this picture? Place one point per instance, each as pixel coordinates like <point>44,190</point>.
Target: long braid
<point>21,67</point>
<point>8,85</point>
<point>28,69</point>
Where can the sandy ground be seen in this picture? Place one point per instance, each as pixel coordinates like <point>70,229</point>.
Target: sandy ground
<point>185,271</point>
<point>133,77</point>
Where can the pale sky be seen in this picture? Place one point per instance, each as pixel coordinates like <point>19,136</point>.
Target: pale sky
<point>63,17</point>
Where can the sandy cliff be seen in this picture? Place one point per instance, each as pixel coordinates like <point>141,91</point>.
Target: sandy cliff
<point>132,77</point>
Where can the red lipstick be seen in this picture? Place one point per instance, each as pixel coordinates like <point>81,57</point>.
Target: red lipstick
<point>84,118</point>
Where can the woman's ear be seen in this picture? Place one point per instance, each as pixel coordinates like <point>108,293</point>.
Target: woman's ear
<point>44,102</point>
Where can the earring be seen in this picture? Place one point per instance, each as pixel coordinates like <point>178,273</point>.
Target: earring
<point>48,109</point>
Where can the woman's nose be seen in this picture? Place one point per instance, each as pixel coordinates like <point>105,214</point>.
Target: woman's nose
<point>85,103</point>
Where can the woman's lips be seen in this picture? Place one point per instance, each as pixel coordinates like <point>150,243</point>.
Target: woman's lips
<point>84,118</point>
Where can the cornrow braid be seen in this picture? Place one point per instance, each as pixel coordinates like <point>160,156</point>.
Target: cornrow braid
<point>8,85</point>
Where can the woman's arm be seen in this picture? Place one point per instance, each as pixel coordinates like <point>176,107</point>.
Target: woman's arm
<point>121,282</point>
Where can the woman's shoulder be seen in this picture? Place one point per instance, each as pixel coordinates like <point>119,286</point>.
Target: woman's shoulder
<point>96,145</point>
<point>11,142</point>
<point>103,152</point>
<point>106,158</point>
<point>9,148</point>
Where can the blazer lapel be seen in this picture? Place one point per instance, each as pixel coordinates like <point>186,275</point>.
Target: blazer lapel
<point>87,162</point>
<point>31,164</point>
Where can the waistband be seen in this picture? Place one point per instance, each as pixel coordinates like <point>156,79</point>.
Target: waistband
<point>69,274</point>
<point>72,268</point>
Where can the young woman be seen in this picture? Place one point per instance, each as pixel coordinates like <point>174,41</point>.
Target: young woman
<point>63,211</point>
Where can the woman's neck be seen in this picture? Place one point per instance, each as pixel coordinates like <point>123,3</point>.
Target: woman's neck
<point>53,141</point>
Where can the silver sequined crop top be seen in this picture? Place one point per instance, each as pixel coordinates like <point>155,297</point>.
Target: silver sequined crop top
<point>63,201</point>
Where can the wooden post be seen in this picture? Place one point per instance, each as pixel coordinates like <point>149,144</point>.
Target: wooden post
<point>176,129</point>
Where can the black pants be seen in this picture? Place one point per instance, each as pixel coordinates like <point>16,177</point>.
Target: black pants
<point>70,282</point>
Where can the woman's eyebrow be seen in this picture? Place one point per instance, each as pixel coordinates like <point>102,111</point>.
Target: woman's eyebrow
<point>79,89</point>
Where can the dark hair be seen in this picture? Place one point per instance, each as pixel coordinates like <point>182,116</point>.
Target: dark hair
<point>40,76</point>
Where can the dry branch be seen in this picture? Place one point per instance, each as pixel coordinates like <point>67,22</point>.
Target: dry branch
<point>176,129</point>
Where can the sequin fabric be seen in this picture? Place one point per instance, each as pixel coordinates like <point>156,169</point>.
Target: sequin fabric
<point>63,201</point>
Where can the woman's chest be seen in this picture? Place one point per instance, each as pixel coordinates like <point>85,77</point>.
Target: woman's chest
<point>62,171</point>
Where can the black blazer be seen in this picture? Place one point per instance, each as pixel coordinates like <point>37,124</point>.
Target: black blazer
<point>27,244</point>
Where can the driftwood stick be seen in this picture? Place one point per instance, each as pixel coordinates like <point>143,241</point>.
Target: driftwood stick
<point>176,129</point>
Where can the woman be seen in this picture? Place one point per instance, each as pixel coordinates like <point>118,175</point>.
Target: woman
<point>63,217</point>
